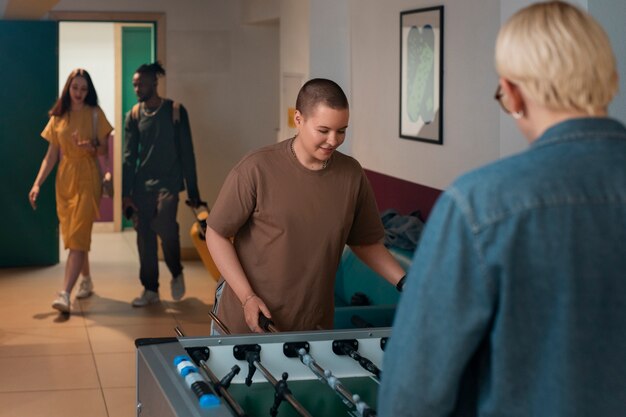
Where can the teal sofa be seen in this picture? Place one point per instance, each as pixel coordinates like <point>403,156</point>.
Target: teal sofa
<point>353,276</point>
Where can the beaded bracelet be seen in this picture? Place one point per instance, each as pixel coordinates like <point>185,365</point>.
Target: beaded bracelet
<point>248,298</point>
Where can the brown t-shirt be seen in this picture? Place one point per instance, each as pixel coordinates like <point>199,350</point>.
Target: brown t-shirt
<point>290,225</point>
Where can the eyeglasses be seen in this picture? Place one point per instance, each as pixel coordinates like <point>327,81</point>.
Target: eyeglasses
<point>498,97</point>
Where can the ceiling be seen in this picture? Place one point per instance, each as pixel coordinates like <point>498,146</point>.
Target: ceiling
<point>25,9</point>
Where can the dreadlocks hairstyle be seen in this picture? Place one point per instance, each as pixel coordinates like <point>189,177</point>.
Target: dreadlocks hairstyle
<point>155,69</point>
<point>64,102</point>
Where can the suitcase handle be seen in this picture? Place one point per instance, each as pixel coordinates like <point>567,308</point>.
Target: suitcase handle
<point>195,209</point>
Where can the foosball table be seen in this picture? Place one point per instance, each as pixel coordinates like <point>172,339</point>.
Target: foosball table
<point>317,373</point>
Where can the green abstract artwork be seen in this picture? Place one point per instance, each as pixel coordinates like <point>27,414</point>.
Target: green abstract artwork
<point>421,74</point>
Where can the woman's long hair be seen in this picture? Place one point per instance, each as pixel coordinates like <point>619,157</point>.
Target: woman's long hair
<point>64,102</point>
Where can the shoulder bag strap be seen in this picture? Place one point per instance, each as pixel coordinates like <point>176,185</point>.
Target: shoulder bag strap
<point>94,127</point>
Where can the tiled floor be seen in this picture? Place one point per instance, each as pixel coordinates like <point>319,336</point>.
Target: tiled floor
<point>84,364</point>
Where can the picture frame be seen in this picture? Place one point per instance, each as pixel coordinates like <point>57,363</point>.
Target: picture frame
<point>421,75</point>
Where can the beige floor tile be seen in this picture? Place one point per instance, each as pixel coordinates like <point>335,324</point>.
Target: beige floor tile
<point>119,339</point>
<point>99,311</point>
<point>124,288</point>
<point>114,246</point>
<point>193,318</point>
<point>112,294</point>
<point>195,329</point>
<point>27,285</point>
<point>54,365</point>
<point>39,373</point>
<point>61,403</point>
<point>37,314</point>
<point>117,370</point>
<point>121,402</point>
<point>198,282</point>
<point>200,296</point>
<point>55,340</point>
<point>189,307</point>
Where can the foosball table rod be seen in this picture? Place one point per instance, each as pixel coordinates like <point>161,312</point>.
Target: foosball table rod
<point>219,323</point>
<point>281,386</point>
<point>286,394</point>
<point>252,355</point>
<point>326,376</point>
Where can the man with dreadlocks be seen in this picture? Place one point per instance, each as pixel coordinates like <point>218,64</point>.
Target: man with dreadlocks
<point>159,163</point>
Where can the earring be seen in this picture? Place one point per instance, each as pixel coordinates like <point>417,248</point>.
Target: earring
<point>518,114</point>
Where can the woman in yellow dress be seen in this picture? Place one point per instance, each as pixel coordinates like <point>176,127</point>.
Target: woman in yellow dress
<point>76,121</point>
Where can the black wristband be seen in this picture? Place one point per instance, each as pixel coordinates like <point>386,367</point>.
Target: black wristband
<point>400,283</point>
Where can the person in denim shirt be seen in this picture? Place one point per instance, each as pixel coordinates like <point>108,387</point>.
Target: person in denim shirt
<point>516,301</point>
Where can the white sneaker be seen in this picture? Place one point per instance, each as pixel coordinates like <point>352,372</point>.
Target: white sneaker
<point>62,303</point>
<point>178,287</point>
<point>146,297</point>
<point>86,288</point>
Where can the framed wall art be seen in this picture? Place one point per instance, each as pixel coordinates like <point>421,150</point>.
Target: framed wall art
<point>421,74</point>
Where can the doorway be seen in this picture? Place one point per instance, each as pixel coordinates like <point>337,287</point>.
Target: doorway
<point>110,51</point>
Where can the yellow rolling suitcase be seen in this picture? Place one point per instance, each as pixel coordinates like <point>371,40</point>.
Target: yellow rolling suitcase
<point>197,233</point>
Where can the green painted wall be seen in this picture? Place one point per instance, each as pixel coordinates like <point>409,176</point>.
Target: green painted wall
<point>137,48</point>
<point>28,69</point>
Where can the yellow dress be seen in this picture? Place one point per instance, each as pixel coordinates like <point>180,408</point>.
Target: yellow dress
<point>78,180</point>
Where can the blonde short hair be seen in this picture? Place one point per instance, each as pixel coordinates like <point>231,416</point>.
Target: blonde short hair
<point>559,56</point>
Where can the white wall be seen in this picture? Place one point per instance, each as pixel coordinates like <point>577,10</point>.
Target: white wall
<point>90,46</point>
<point>612,14</point>
<point>330,48</point>
<point>475,130</point>
<point>294,55</point>
<point>471,117</point>
<point>260,11</point>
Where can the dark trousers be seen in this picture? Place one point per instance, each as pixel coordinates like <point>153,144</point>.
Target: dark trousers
<point>156,215</point>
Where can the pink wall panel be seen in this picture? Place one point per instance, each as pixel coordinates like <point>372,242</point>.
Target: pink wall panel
<point>403,196</point>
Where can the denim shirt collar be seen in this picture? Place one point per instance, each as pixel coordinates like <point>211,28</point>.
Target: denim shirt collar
<point>580,128</point>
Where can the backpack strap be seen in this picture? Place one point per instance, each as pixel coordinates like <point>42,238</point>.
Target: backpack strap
<point>94,127</point>
<point>176,112</point>
<point>134,112</point>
